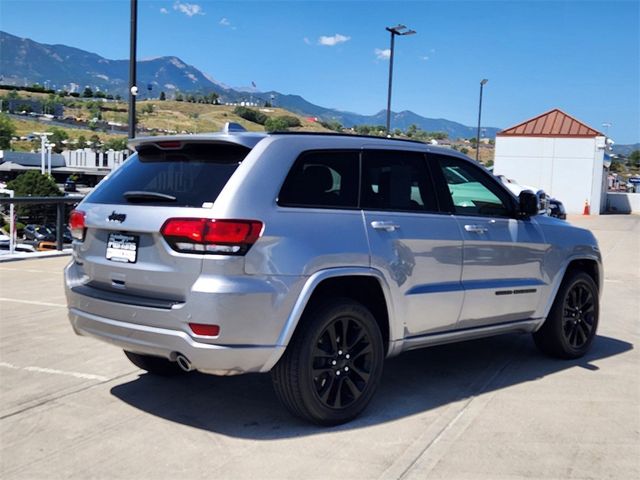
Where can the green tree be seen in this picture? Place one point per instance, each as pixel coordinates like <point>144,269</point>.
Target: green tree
<point>116,144</point>
<point>290,120</point>
<point>163,97</point>
<point>634,159</point>
<point>58,135</point>
<point>276,124</point>
<point>35,183</point>
<point>87,93</point>
<point>82,141</point>
<point>179,97</point>
<point>7,130</point>
<point>616,167</point>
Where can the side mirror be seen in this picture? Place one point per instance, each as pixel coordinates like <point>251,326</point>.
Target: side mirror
<point>529,205</point>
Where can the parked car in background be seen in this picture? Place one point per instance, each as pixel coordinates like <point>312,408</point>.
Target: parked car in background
<point>548,205</point>
<point>38,233</point>
<point>315,257</point>
<point>70,186</point>
<point>66,233</point>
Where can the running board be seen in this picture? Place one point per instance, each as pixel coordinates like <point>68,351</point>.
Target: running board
<point>452,336</point>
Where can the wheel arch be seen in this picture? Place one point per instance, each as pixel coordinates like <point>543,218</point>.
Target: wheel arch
<point>591,265</point>
<point>361,284</point>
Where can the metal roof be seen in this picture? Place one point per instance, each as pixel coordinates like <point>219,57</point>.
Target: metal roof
<point>554,123</point>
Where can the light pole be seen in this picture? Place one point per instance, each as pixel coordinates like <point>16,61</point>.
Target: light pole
<point>43,146</point>
<point>483,82</point>
<point>397,30</point>
<point>133,89</point>
<point>49,148</point>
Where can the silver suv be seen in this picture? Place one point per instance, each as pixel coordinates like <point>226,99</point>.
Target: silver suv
<point>314,257</point>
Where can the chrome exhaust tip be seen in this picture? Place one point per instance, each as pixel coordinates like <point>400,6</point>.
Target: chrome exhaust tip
<point>184,363</point>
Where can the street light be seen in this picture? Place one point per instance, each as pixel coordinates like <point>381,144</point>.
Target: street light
<point>49,148</point>
<point>397,30</point>
<point>133,89</point>
<point>483,82</point>
<point>43,146</point>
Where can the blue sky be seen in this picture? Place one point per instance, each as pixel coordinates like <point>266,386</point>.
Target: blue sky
<point>580,56</point>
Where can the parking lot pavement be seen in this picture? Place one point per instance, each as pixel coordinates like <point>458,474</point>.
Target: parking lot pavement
<point>72,407</point>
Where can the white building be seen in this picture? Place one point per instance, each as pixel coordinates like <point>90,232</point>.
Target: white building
<point>559,154</point>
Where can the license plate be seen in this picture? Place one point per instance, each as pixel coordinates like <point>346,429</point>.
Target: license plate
<point>122,248</point>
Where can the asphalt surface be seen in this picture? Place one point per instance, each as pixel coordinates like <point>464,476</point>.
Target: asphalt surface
<point>72,407</point>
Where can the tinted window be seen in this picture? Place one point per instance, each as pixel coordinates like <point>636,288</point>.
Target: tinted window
<point>471,191</point>
<point>192,175</point>
<point>322,179</point>
<point>395,180</point>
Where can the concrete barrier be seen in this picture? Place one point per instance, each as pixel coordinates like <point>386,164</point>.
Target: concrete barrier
<point>618,202</point>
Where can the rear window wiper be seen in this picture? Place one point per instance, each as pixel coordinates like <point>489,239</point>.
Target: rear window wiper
<point>142,196</point>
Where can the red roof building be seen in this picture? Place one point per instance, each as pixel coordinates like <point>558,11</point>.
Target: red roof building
<point>554,123</point>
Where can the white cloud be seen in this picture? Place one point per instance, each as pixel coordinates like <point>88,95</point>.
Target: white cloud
<point>306,40</point>
<point>333,41</point>
<point>189,9</point>
<point>424,57</point>
<point>224,21</point>
<point>382,54</point>
<point>164,11</point>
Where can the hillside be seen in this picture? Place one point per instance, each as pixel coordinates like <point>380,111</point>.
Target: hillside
<point>69,68</point>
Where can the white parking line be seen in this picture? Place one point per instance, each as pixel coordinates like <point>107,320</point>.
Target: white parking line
<point>32,302</point>
<point>84,376</point>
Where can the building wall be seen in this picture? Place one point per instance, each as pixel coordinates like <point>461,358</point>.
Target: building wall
<point>569,169</point>
<point>619,202</point>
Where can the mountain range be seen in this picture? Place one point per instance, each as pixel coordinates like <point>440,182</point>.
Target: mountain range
<point>24,61</point>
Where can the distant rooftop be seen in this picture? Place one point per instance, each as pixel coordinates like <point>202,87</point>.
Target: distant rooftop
<point>554,123</point>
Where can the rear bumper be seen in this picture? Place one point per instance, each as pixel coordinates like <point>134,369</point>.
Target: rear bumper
<point>162,342</point>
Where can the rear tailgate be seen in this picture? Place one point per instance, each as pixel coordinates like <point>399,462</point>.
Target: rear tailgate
<point>123,250</point>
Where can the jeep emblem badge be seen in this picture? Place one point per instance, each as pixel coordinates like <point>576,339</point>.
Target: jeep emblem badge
<point>117,217</point>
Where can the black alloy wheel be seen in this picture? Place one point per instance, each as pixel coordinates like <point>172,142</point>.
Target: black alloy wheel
<point>571,325</point>
<point>342,362</point>
<point>332,365</point>
<point>578,321</point>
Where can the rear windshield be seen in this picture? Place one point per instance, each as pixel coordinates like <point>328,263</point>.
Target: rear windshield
<point>189,177</point>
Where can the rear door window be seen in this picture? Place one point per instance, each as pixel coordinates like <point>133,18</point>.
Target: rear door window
<point>188,177</point>
<point>322,179</point>
<point>397,181</point>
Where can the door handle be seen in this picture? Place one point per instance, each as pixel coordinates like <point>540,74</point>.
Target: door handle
<point>386,226</point>
<point>476,228</point>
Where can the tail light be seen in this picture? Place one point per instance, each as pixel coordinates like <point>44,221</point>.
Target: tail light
<point>76,224</point>
<point>204,235</point>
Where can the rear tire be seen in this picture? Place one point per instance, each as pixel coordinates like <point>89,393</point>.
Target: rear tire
<point>333,364</point>
<point>154,365</point>
<point>571,325</point>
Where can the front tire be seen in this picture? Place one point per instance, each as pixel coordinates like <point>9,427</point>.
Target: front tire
<point>333,364</point>
<point>571,325</point>
<point>154,365</point>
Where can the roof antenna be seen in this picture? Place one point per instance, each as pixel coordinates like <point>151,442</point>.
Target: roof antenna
<point>231,127</point>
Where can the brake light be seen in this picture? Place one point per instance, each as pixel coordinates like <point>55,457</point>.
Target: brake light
<point>169,145</point>
<point>204,235</point>
<point>205,329</point>
<point>76,224</point>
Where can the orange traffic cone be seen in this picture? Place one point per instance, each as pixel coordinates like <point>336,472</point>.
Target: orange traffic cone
<point>587,210</point>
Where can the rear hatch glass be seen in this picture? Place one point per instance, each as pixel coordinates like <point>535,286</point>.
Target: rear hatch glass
<point>123,249</point>
<point>189,177</point>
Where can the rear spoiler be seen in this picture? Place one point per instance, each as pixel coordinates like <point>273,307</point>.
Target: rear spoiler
<point>231,133</point>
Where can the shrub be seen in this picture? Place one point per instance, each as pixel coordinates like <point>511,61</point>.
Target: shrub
<point>251,115</point>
